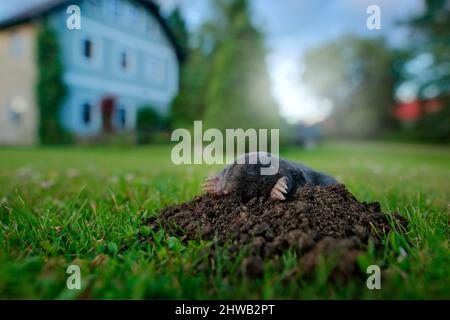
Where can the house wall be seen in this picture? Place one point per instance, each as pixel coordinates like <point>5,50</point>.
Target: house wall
<point>18,112</point>
<point>114,27</point>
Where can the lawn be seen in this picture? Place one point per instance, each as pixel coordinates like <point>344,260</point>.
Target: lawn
<point>86,206</point>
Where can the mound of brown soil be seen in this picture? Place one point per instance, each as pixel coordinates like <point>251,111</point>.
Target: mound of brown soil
<point>316,220</point>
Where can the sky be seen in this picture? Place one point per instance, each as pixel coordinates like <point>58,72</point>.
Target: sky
<point>291,28</point>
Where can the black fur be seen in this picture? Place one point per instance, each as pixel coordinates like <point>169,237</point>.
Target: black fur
<point>247,181</point>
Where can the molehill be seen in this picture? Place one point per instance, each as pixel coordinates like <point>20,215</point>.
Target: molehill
<point>315,221</point>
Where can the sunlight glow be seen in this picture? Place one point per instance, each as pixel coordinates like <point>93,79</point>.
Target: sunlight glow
<point>297,104</point>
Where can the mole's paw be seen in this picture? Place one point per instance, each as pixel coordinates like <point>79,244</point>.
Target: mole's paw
<point>280,189</point>
<point>212,185</point>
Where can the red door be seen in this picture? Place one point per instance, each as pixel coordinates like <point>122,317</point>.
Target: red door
<point>108,105</point>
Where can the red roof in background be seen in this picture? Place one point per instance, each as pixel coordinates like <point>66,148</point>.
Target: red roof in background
<point>413,111</point>
<point>408,111</point>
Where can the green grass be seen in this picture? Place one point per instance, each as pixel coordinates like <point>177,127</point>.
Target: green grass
<point>85,206</point>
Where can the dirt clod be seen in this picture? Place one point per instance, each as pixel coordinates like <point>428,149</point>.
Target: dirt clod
<point>314,221</point>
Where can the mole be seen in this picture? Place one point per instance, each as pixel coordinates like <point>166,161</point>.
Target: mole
<point>244,178</point>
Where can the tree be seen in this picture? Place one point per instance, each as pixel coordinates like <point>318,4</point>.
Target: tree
<point>178,26</point>
<point>432,38</point>
<point>224,80</point>
<point>238,92</point>
<point>148,124</point>
<point>358,76</point>
<point>189,105</point>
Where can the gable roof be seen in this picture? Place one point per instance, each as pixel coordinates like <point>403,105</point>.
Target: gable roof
<point>40,10</point>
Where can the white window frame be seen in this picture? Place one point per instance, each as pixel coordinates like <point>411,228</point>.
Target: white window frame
<point>152,27</point>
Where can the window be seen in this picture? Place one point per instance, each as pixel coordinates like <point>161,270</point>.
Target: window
<point>116,9</point>
<point>87,49</point>
<point>153,28</point>
<point>134,15</point>
<point>121,118</point>
<point>155,70</point>
<point>137,18</point>
<point>124,60</point>
<point>17,45</point>
<point>95,4</point>
<point>17,109</point>
<point>86,113</point>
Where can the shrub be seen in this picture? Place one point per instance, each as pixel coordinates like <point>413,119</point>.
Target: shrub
<point>50,91</point>
<point>149,125</point>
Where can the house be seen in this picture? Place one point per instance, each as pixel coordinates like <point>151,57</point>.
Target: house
<point>123,57</point>
<point>414,110</point>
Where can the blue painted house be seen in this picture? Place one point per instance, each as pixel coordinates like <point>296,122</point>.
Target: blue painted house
<point>122,58</point>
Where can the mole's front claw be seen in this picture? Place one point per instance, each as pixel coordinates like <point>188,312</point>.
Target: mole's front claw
<point>280,189</point>
<point>212,185</point>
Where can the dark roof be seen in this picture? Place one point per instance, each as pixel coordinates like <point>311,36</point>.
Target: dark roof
<point>46,6</point>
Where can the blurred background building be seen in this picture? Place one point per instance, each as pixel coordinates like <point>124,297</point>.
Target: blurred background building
<point>313,69</point>
<point>123,58</point>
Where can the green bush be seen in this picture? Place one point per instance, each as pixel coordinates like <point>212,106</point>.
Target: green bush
<point>149,125</point>
<point>50,91</point>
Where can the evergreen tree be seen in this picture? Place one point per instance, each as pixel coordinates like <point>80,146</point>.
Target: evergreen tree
<point>178,26</point>
<point>189,105</point>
